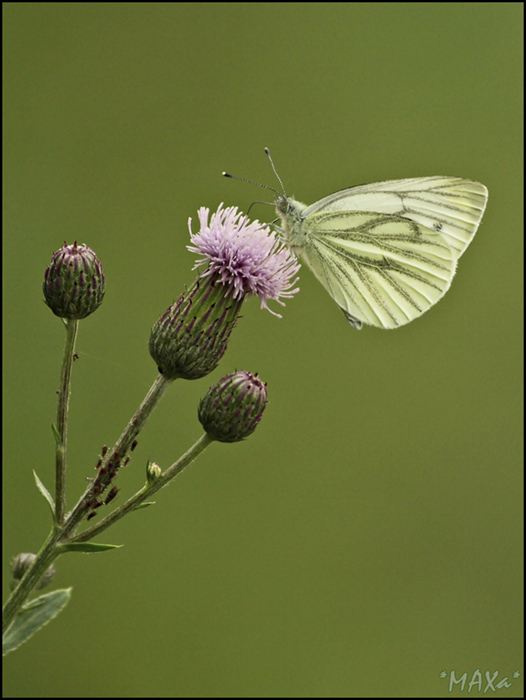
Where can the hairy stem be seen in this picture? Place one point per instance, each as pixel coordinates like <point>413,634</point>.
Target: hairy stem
<point>48,553</point>
<point>67,524</point>
<point>147,491</point>
<point>61,436</point>
<point>122,445</point>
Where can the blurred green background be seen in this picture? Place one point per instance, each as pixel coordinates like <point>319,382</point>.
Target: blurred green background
<point>368,536</point>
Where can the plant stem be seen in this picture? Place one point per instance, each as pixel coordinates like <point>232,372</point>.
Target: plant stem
<point>48,553</point>
<point>147,490</point>
<point>50,549</point>
<point>122,445</point>
<point>60,533</point>
<point>62,420</point>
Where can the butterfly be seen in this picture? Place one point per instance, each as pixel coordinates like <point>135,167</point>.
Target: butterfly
<point>386,252</point>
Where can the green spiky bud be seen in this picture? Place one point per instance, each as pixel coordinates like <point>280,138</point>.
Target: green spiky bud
<point>191,337</point>
<point>74,282</point>
<point>233,407</point>
<point>153,472</point>
<point>21,563</point>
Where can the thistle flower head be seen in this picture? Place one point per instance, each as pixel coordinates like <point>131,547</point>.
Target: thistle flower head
<point>243,258</point>
<point>247,257</point>
<point>191,337</point>
<point>232,408</point>
<point>74,282</point>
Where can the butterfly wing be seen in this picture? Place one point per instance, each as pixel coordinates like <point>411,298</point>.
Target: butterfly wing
<point>387,251</point>
<point>451,206</point>
<point>381,269</point>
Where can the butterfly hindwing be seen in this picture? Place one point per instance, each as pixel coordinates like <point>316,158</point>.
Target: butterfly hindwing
<point>381,269</point>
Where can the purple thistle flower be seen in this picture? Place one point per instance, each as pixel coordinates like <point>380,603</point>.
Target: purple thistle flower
<point>245,256</point>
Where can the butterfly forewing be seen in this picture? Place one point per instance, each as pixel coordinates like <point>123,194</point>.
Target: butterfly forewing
<point>451,206</point>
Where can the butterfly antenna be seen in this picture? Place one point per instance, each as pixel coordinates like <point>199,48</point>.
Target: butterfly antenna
<point>250,182</point>
<point>267,151</point>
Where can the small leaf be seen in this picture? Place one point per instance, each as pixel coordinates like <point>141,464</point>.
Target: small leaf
<point>144,505</point>
<point>87,547</point>
<point>32,617</point>
<point>56,434</point>
<point>43,490</point>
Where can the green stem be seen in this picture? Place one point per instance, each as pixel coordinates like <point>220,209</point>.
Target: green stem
<point>62,420</point>
<point>50,549</point>
<point>122,445</point>
<point>147,490</point>
<point>61,533</point>
<point>48,553</point>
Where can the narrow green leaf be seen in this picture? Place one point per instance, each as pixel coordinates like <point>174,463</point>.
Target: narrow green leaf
<point>43,490</point>
<point>56,434</point>
<point>32,617</point>
<point>144,505</point>
<point>87,547</point>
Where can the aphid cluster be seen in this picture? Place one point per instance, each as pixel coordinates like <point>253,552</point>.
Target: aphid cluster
<point>104,477</point>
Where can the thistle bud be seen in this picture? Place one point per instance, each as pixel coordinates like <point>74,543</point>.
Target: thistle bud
<point>74,282</point>
<point>21,563</point>
<point>153,472</point>
<point>191,337</point>
<point>233,407</point>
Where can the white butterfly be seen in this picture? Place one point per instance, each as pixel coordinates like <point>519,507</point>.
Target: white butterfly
<point>388,251</point>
